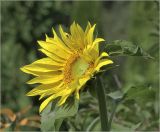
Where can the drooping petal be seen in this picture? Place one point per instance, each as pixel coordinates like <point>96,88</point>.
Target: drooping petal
<point>102,63</point>
<point>64,92</point>
<point>46,102</point>
<point>98,40</point>
<point>62,100</point>
<point>103,54</point>
<point>77,94</point>
<point>81,81</point>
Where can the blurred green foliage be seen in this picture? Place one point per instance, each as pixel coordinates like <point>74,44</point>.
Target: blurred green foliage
<point>23,23</point>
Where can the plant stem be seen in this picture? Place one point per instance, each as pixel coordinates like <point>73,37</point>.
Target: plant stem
<point>102,104</point>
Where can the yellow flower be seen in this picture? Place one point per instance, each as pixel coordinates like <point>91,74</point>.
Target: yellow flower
<point>71,61</point>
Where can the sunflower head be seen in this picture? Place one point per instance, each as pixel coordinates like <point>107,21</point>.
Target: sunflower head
<point>71,61</point>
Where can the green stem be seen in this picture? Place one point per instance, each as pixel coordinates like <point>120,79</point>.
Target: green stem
<point>102,105</point>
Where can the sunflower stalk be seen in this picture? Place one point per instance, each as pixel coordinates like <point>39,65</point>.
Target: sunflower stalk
<point>102,104</point>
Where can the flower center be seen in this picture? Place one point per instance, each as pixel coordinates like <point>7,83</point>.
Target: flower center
<point>79,67</point>
<point>75,68</point>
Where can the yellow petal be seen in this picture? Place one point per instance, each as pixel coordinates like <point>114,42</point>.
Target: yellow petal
<point>77,94</point>
<point>54,49</point>
<point>42,96</point>
<point>28,71</point>
<point>62,100</point>
<point>65,38</point>
<point>80,33</point>
<point>96,43</point>
<point>93,50</point>
<point>91,53</point>
<point>83,81</point>
<point>51,91</point>
<point>73,30</point>
<point>75,41</point>
<point>46,79</point>
<point>90,35</point>
<point>64,92</point>
<point>42,66</point>
<point>41,73</point>
<point>55,90</point>
<point>57,41</point>
<point>76,37</point>
<point>102,63</point>
<point>80,30</point>
<point>52,56</point>
<point>77,86</point>
<point>46,102</point>
<point>44,88</point>
<point>48,61</point>
<point>88,28</point>
<point>103,54</point>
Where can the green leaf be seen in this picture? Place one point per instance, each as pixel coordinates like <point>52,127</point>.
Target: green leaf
<point>92,124</point>
<point>52,116</point>
<point>134,127</point>
<point>116,95</point>
<point>120,127</point>
<point>140,94</point>
<point>47,119</point>
<point>125,126</point>
<point>58,124</point>
<point>67,110</point>
<point>123,47</point>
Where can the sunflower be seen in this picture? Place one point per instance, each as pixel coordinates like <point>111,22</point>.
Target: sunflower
<point>71,61</point>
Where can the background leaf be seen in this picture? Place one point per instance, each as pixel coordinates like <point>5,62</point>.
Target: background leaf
<point>123,47</point>
<point>116,95</point>
<point>140,94</point>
